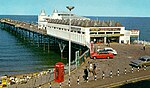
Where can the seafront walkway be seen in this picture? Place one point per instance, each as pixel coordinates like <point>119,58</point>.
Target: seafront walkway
<point>106,82</point>
<point>127,74</point>
<point>115,81</point>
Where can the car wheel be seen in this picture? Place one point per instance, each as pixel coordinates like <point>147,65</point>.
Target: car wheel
<point>108,57</point>
<point>94,58</point>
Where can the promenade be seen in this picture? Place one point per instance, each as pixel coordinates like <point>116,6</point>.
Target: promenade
<point>126,53</point>
<point>115,81</point>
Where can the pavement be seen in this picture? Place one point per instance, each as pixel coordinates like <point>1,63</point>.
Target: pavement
<point>126,53</point>
<point>115,81</point>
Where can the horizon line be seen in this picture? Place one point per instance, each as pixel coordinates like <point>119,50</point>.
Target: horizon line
<point>80,15</point>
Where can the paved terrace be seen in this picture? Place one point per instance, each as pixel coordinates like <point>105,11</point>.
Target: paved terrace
<point>126,53</point>
<point>24,25</point>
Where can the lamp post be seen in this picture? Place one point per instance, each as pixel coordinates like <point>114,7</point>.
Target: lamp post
<point>69,8</point>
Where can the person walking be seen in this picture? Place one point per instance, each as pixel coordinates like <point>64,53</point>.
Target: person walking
<point>144,47</point>
<point>94,69</point>
<point>85,74</point>
<point>108,42</point>
<point>91,68</point>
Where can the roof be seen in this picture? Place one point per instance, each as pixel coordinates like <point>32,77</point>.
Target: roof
<point>86,23</point>
<point>145,57</point>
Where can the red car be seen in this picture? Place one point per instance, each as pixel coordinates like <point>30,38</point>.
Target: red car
<point>102,55</point>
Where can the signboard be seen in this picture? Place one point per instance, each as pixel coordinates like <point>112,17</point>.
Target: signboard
<point>106,35</point>
<point>105,29</point>
<point>134,32</point>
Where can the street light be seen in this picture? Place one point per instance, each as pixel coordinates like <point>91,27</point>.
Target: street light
<point>69,8</point>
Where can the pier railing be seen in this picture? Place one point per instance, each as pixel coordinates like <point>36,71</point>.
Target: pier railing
<point>84,56</point>
<point>24,25</point>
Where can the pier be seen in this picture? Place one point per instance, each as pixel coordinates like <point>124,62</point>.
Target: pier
<point>39,37</point>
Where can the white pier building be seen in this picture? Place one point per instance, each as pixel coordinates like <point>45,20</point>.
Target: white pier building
<point>84,30</point>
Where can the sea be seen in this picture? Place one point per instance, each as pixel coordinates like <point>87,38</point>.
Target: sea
<point>16,57</point>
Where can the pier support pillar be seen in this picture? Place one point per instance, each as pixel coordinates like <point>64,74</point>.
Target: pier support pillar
<point>44,43</point>
<point>41,39</point>
<point>33,38</point>
<point>29,36</point>
<point>62,47</point>
<point>104,40</point>
<point>48,44</point>
<point>38,40</point>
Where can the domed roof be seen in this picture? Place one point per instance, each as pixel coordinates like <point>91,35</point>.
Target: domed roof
<point>55,11</point>
<point>43,13</point>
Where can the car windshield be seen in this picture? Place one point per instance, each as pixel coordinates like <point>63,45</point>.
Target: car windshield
<point>109,50</point>
<point>104,53</point>
<point>100,50</point>
<point>142,59</point>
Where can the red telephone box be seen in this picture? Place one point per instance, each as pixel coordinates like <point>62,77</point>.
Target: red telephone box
<point>59,72</point>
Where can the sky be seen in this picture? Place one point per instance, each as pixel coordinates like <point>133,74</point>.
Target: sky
<point>123,8</point>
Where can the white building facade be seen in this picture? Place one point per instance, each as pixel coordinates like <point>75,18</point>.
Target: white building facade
<point>80,32</point>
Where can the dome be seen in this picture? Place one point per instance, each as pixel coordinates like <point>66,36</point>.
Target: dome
<point>55,11</point>
<point>43,13</point>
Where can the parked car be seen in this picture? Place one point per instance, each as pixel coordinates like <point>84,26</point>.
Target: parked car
<point>111,50</point>
<point>141,62</point>
<point>101,50</point>
<point>102,55</point>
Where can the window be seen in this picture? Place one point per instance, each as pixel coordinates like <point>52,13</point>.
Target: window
<point>101,32</point>
<point>65,29</point>
<point>116,32</point>
<point>79,31</point>
<point>142,59</point>
<point>93,33</point>
<point>148,60</point>
<point>109,50</point>
<point>108,32</point>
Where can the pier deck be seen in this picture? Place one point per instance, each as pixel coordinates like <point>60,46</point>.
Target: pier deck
<point>24,25</point>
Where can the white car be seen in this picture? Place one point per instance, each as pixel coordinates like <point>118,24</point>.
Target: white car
<point>111,50</point>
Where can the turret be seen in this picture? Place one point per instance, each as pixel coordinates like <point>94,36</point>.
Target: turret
<point>42,20</point>
<point>42,13</point>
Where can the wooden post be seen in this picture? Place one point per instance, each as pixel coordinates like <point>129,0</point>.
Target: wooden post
<point>29,36</point>
<point>33,38</point>
<point>38,40</point>
<point>48,43</point>
<point>44,43</point>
